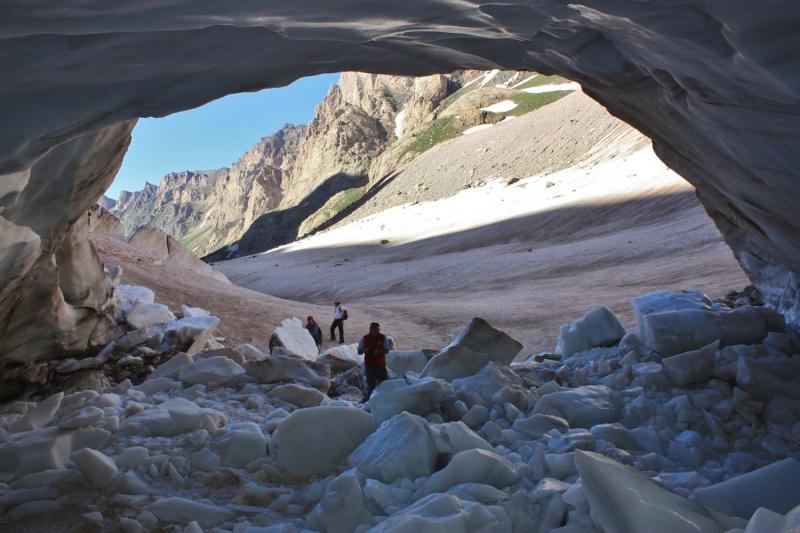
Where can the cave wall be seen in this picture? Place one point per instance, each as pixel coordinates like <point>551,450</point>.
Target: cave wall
<point>714,84</point>
<point>55,296</point>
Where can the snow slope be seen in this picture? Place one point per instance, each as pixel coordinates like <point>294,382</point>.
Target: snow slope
<point>528,256</point>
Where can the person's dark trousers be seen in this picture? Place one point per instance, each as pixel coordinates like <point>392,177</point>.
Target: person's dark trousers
<point>374,377</point>
<point>338,323</point>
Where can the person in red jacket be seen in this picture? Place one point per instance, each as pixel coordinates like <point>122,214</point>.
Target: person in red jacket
<point>374,345</point>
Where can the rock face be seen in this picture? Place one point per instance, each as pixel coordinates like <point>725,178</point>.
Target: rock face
<point>252,186</point>
<point>174,205</point>
<point>102,222</point>
<point>711,85</point>
<point>206,209</point>
<point>167,249</point>
<point>351,129</point>
<point>50,274</point>
<point>286,182</point>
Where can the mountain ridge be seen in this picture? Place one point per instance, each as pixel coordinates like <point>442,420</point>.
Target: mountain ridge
<point>296,180</point>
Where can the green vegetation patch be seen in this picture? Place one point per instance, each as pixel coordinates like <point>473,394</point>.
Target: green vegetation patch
<point>195,240</point>
<point>527,102</point>
<point>335,205</point>
<point>445,103</point>
<point>440,130</point>
<point>542,80</point>
<point>344,199</point>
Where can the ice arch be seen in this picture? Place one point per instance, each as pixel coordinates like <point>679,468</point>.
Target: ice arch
<point>715,84</point>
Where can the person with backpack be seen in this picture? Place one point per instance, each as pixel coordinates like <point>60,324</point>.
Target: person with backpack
<point>374,345</point>
<point>339,316</point>
<point>315,331</point>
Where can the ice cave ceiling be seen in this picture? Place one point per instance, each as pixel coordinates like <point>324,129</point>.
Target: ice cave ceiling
<point>715,84</point>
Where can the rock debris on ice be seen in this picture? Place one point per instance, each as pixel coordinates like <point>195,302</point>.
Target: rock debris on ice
<point>699,423</point>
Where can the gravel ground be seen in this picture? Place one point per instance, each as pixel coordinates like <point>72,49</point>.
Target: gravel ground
<point>249,316</point>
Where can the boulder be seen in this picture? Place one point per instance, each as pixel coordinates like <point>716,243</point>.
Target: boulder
<point>495,383</point>
<point>14,497</point>
<point>417,396</point>
<point>129,483</point>
<point>343,506</point>
<point>445,512</point>
<point>313,441</point>
<point>251,353</point>
<point>476,416</point>
<point>156,385</point>
<point>235,354</point>
<point>480,336</point>
<point>454,362</point>
<point>583,407</point>
<point>96,467</point>
<point>598,327</point>
<point>663,301</point>
<point>471,466</point>
<point>294,337</point>
<point>297,395</point>
<point>780,342</point>
<point>400,362</point>
<point>775,487</point>
<point>650,374</point>
<point>456,437</point>
<point>132,457</point>
<point>39,416</point>
<point>219,369</point>
<point>46,449</point>
<point>765,521</point>
<point>206,460</point>
<point>284,368</point>
<point>243,443</point>
<point>143,315</point>
<point>402,447</point>
<point>341,357</point>
<point>36,507</point>
<point>691,367</point>
<point>191,334</point>
<point>175,416</point>
<point>88,416</point>
<point>185,511</point>
<point>674,332</point>
<point>608,485</point>
<point>537,424</point>
<point>618,435</point>
<point>127,296</point>
<point>172,367</point>
<point>769,377</point>
<point>191,312</point>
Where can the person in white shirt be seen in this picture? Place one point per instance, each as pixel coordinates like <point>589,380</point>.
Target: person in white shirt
<point>339,316</point>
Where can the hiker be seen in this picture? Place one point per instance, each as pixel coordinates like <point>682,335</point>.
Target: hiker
<point>314,329</point>
<point>374,345</point>
<point>339,316</point>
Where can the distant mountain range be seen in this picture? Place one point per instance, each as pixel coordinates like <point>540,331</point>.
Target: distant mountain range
<point>300,178</point>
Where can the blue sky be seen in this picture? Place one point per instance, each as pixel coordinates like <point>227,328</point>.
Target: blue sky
<point>217,134</point>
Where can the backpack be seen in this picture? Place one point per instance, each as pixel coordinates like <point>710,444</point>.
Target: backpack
<point>344,314</point>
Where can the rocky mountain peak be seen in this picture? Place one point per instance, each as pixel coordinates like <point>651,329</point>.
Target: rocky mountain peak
<point>353,126</point>
<point>106,203</point>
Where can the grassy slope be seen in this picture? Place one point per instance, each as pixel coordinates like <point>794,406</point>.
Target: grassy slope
<point>440,130</point>
<point>527,102</point>
<point>542,80</point>
<point>332,207</point>
<point>446,128</point>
